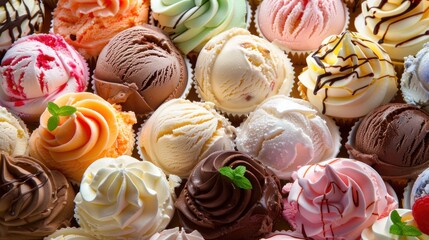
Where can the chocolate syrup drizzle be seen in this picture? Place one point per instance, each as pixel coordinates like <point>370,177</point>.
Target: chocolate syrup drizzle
<point>326,79</point>
<point>18,22</point>
<point>414,4</point>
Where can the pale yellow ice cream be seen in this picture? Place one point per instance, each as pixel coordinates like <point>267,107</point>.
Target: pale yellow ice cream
<point>400,27</point>
<point>124,198</point>
<point>180,133</point>
<point>237,71</point>
<point>14,134</point>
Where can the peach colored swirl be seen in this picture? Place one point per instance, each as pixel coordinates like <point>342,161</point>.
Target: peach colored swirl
<point>80,138</point>
<point>101,8</point>
<point>336,199</point>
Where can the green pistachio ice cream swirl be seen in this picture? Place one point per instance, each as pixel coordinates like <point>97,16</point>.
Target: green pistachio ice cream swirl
<point>191,24</point>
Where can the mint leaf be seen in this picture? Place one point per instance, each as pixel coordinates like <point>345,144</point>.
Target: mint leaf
<point>243,182</point>
<point>395,229</point>
<point>57,111</point>
<point>400,228</point>
<point>53,122</point>
<point>66,110</point>
<point>53,108</point>
<point>237,176</point>
<point>410,231</point>
<point>227,171</point>
<point>394,216</point>
<point>240,170</point>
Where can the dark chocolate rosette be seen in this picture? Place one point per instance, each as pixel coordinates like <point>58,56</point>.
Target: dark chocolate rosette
<point>34,201</point>
<point>212,204</point>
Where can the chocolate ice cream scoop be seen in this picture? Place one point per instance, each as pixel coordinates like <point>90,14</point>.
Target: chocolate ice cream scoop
<point>394,140</point>
<point>140,68</point>
<point>34,201</point>
<point>218,209</point>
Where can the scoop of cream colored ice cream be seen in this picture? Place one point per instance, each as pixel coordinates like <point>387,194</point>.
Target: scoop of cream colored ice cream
<point>140,68</point>
<point>38,69</point>
<point>415,79</point>
<point>89,25</point>
<point>124,198</point>
<point>34,200</point>
<point>191,24</point>
<point>400,27</point>
<point>287,133</point>
<point>212,204</point>
<point>336,199</point>
<point>237,71</point>
<point>71,234</point>
<point>393,139</point>
<point>177,234</point>
<point>180,133</point>
<point>96,130</point>
<point>348,76</point>
<point>19,18</point>
<point>14,134</point>
<point>301,25</point>
<point>380,230</point>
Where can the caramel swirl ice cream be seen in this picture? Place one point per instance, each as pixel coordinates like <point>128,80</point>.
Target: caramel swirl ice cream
<point>348,76</point>
<point>400,27</point>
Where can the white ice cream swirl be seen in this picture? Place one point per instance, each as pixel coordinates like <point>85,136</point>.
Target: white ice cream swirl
<point>124,198</point>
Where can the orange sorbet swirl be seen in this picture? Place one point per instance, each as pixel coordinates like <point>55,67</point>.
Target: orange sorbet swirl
<point>89,25</point>
<point>79,139</point>
<point>101,8</point>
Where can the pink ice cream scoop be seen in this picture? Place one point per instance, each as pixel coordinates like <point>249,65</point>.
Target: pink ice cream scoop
<point>38,69</point>
<point>301,25</point>
<point>335,199</point>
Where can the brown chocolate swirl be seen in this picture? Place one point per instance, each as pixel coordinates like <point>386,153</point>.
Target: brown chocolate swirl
<point>213,205</point>
<point>34,201</point>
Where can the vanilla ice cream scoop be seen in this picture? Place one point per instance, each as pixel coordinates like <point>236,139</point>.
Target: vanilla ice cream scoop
<point>124,198</point>
<point>14,134</point>
<point>237,71</point>
<point>286,133</point>
<point>180,133</point>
